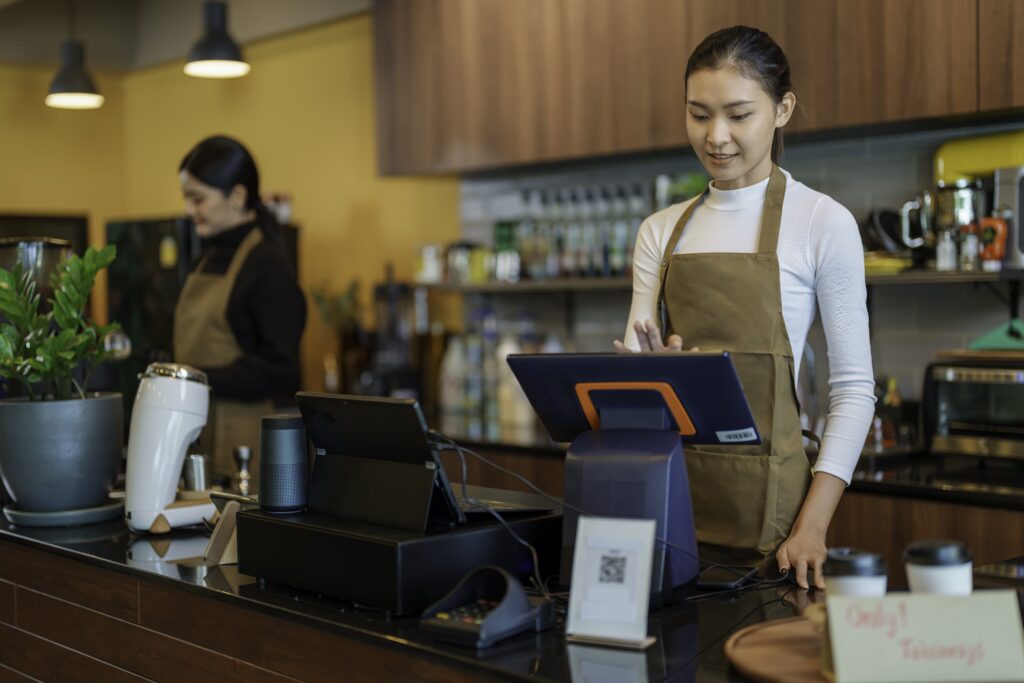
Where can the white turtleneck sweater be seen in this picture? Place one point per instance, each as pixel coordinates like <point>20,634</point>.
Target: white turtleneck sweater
<point>820,257</point>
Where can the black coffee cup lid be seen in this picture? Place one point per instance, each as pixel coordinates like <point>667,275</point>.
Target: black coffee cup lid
<point>281,421</point>
<point>853,562</point>
<point>937,552</point>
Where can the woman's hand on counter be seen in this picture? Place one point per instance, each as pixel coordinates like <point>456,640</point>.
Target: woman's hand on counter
<point>805,548</point>
<point>649,337</point>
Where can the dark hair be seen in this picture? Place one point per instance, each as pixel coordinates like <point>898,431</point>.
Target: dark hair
<point>755,55</point>
<point>223,162</point>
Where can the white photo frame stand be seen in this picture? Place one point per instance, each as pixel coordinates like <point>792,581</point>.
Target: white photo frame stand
<point>611,582</point>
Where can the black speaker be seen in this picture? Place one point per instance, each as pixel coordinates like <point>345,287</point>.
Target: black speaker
<point>284,478</point>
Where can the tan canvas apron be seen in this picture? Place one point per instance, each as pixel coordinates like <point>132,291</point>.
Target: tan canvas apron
<point>203,338</point>
<point>745,498</point>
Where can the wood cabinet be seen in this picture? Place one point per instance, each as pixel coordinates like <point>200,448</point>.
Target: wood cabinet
<point>887,524</point>
<point>905,59</point>
<point>1000,54</point>
<point>466,85</point>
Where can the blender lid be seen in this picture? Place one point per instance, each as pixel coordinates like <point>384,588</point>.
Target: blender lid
<point>177,371</point>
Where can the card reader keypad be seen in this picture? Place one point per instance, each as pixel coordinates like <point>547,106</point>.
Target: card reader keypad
<point>473,613</point>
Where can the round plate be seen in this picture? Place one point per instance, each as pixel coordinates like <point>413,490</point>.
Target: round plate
<point>102,513</point>
<point>779,651</point>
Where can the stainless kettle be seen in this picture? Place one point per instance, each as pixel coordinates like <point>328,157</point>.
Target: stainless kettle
<point>39,255</point>
<point>947,207</point>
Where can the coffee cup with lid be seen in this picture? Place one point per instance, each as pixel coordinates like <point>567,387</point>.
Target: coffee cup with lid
<point>941,567</point>
<point>849,571</point>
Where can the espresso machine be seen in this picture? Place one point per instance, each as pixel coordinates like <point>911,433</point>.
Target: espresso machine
<point>170,410</point>
<point>947,207</point>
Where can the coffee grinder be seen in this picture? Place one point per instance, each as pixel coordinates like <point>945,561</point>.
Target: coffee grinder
<point>170,410</point>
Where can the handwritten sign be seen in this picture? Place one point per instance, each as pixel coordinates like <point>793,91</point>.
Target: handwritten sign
<point>905,638</point>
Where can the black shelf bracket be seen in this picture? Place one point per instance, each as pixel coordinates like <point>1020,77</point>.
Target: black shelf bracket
<point>1011,299</point>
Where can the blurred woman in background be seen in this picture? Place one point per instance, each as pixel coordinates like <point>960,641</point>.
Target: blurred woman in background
<point>241,313</point>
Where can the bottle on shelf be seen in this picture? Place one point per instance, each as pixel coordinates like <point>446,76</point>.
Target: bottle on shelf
<point>552,344</point>
<point>639,209</point>
<point>970,248</point>
<point>474,386</point>
<point>536,265</point>
<point>506,252</point>
<point>489,375</point>
<point>553,224</point>
<point>619,248</point>
<point>891,413</point>
<point>452,390</point>
<point>570,235</point>
<point>524,231</point>
<point>945,252</point>
<point>603,218</point>
<point>588,235</point>
<point>514,410</point>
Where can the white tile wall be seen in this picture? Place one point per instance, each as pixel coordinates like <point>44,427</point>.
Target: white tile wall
<point>909,323</point>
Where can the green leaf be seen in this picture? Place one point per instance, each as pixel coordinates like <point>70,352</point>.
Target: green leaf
<point>43,351</point>
<point>6,350</point>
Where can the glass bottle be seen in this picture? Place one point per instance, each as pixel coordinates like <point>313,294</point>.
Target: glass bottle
<point>945,252</point>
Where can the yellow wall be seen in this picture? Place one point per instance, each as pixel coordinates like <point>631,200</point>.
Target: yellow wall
<point>306,112</point>
<point>55,161</point>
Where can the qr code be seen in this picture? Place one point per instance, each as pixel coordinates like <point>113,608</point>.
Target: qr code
<point>613,569</point>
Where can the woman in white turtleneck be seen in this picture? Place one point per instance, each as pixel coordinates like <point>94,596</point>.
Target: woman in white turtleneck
<point>741,268</point>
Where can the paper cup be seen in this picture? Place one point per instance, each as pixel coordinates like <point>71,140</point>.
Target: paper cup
<point>849,571</point>
<point>939,567</point>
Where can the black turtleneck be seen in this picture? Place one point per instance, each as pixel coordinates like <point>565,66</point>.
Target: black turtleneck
<point>266,312</point>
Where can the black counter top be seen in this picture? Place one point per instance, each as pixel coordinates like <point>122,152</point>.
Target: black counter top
<point>910,473</point>
<point>948,479</point>
<point>690,636</point>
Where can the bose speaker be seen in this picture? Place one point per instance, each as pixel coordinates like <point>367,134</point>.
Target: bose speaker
<point>284,478</point>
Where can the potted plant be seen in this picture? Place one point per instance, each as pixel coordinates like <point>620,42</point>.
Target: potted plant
<point>60,447</point>
<point>343,314</point>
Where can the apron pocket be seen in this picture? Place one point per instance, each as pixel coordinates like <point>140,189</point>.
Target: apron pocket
<point>735,498</point>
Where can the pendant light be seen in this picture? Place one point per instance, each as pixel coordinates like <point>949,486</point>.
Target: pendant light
<point>216,55</point>
<point>72,87</point>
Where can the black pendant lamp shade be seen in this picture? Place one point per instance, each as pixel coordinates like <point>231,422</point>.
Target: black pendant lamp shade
<point>216,55</point>
<point>72,87</point>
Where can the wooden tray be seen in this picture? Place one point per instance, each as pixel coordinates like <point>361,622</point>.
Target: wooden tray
<point>778,651</point>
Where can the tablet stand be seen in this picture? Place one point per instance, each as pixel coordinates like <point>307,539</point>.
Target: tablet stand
<point>630,464</point>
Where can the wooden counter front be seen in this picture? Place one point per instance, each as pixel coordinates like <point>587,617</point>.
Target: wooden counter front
<point>62,619</point>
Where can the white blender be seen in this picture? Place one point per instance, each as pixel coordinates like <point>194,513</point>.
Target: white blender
<point>169,412</point>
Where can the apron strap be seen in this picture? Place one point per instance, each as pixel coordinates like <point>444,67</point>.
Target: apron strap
<point>250,242</point>
<point>808,434</point>
<point>771,219</point>
<point>666,258</point>
<point>768,240</point>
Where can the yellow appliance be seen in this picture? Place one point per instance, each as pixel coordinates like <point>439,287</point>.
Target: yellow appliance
<point>976,157</point>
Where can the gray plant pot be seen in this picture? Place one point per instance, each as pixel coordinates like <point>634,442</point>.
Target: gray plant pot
<point>60,455</point>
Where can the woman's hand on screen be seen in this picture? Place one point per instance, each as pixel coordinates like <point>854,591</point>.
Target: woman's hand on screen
<point>649,337</point>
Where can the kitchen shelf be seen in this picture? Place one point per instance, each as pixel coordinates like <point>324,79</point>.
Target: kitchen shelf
<point>932,277</point>
<point>909,277</point>
<point>568,284</point>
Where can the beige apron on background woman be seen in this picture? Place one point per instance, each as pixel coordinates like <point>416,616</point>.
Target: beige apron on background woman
<point>203,338</point>
<point>745,498</point>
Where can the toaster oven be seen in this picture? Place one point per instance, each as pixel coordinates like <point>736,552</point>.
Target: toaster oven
<point>975,409</point>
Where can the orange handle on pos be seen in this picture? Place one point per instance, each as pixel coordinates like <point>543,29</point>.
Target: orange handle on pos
<point>667,393</point>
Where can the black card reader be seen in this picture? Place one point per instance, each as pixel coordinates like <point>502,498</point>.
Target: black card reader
<point>487,605</point>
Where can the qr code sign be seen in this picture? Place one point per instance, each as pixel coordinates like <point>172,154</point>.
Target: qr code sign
<point>613,569</point>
